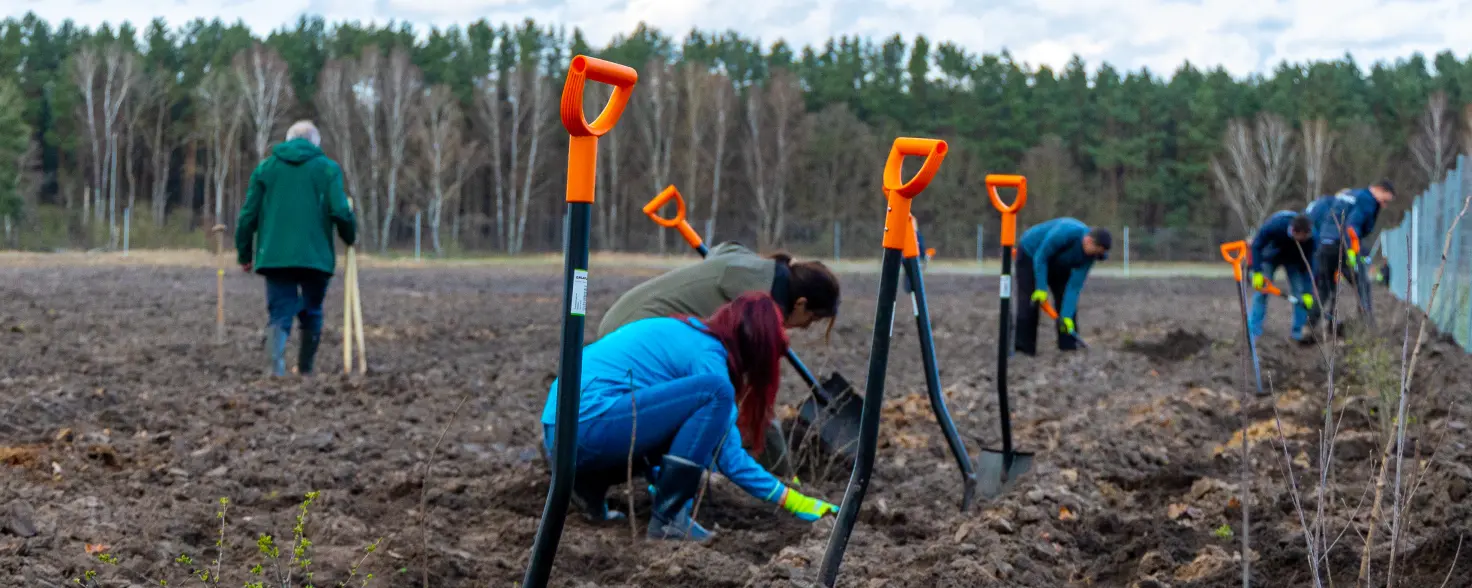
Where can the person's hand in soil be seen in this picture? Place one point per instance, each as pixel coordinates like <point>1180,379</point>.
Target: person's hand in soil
<point>1039,296</point>
<point>804,507</point>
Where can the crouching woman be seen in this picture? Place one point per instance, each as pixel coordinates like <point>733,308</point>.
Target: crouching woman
<point>695,388</point>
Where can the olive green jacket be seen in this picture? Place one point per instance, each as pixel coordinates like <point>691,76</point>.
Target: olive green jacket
<point>294,200</point>
<point>730,270</point>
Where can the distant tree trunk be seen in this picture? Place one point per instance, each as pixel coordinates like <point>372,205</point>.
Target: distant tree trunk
<point>85,65</point>
<point>1434,147</point>
<point>658,128</point>
<point>369,91</point>
<point>265,90</point>
<point>695,93</point>
<point>1318,145</point>
<point>402,85</point>
<point>1259,160</point>
<point>723,95</point>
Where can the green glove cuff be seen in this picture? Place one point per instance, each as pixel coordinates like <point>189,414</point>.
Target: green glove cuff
<point>1039,295</point>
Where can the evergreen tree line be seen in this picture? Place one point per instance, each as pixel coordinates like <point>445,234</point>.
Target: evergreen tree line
<point>770,144</point>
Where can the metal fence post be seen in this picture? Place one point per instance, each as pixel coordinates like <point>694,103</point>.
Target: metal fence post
<point>1126,251</point>
<point>127,226</point>
<point>978,244</point>
<point>417,217</point>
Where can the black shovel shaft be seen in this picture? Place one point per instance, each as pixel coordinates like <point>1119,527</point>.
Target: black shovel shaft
<point>565,440</point>
<point>1004,340</point>
<point>932,380</point>
<point>858,483</point>
<point>802,370</point>
<point>1247,332</point>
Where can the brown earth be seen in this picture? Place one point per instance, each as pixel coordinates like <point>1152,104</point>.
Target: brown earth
<point>122,423</point>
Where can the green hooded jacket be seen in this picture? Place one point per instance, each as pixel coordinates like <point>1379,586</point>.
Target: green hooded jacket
<point>730,270</point>
<point>294,200</point>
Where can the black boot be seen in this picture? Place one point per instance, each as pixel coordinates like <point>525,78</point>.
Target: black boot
<point>307,354</point>
<point>679,480</point>
<point>590,494</point>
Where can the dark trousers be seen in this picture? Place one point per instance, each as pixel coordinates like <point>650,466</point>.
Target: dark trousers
<point>1329,260</point>
<point>294,294</point>
<point>1025,336</point>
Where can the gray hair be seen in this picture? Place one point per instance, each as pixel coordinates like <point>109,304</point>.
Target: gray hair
<point>304,129</point>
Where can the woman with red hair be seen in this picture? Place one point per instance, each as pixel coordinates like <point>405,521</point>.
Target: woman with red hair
<point>684,391</point>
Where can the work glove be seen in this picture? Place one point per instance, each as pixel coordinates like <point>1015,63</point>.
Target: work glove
<point>805,508</point>
<point>1039,296</point>
<point>1308,301</point>
<point>1354,260</point>
<point>1067,325</point>
<point>1258,280</point>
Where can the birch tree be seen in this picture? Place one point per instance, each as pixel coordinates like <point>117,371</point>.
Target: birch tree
<point>774,121</point>
<point>1434,147</point>
<point>1318,146</point>
<point>694,75</point>
<point>222,117</point>
<point>265,90</point>
<point>447,158</point>
<point>723,100</point>
<point>402,85</point>
<point>658,110</point>
<point>160,141</point>
<point>1253,173</point>
<point>119,71</point>
<point>86,64</point>
<point>513,103</point>
<point>367,88</point>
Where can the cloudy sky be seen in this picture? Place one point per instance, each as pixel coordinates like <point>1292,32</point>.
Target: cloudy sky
<point>1242,35</point>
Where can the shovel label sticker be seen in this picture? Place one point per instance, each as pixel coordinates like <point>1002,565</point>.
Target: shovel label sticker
<point>1004,288</point>
<point>914,306</point>
<point>579,302</point>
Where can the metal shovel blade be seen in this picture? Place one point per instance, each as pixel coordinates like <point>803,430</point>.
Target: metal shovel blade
<point>837,422</point>
<point>995,477</point>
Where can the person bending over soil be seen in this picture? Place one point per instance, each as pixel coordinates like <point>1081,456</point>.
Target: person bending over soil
<point>807,291</point>
<point>1056,255</point>
<point>696,387</point>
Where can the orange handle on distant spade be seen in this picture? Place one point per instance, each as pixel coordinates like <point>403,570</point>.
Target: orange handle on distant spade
<point>912,242</point>
<point>1271,289</point>
<point>899,192</point>
<point>1009,211</point>
<point>1234,253</point>
<point>678,223</point>
<point>582,148</point>
<point>1049,310</point>
<point>1354,241</point>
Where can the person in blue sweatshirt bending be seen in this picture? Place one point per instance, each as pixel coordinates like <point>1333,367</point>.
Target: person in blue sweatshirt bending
<point>1285,240</point>
<point>682,392</point>
<point>1341,221</point>
<point>1056,255</point>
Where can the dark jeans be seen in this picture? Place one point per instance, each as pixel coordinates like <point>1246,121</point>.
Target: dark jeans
<point>686,418</point>
<point>296,293</point>
<point>1026,334</point>
<point>1330,259</point>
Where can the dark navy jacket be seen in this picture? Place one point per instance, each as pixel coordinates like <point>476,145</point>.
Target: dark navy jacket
<point>1274,244</point>
<point>1059,244</point>
<point>1333,216</point>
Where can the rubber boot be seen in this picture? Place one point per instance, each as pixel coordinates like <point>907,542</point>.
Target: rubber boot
<point>276,349</point>
<point>679,480</point>
<point>307,355</point>
<point>590,494</point>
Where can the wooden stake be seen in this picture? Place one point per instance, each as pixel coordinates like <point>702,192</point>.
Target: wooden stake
<point>347,315</point>
<point>358,313</point>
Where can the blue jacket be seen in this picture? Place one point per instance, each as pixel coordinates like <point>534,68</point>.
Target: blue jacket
<point>1059,243</point>
<point>651,351</point>
<point>1334,215</point>
<point>1274,244</point>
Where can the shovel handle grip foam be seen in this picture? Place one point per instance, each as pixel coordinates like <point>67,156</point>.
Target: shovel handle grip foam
<point>899,192</point>
<point>1234,253</point>
<point>678,223</point>
<point>1009,211</point>
<point>582,148</point>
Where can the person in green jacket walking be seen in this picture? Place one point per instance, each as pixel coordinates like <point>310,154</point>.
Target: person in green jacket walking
<point>294,201</point>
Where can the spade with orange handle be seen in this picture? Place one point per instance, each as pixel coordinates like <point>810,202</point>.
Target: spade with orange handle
<point>1236,253</point>
<point>1053,314</point>
<point>1000,470</point>
<point>582,162</point>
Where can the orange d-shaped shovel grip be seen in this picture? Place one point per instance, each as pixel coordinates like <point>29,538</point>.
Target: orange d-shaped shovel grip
<point>1234,253</point>
<point>678,223</point>
<point>1009,211</point>
<point>582,148</point>
<point>897,230</point>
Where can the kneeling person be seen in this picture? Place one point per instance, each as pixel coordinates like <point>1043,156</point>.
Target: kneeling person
<point>1056,255</point>
<point>696,387</point>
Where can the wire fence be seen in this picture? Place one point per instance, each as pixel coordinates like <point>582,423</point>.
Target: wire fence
<point>1413,251</point>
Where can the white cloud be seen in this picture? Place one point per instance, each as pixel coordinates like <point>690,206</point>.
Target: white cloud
<point>1242,35</point>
